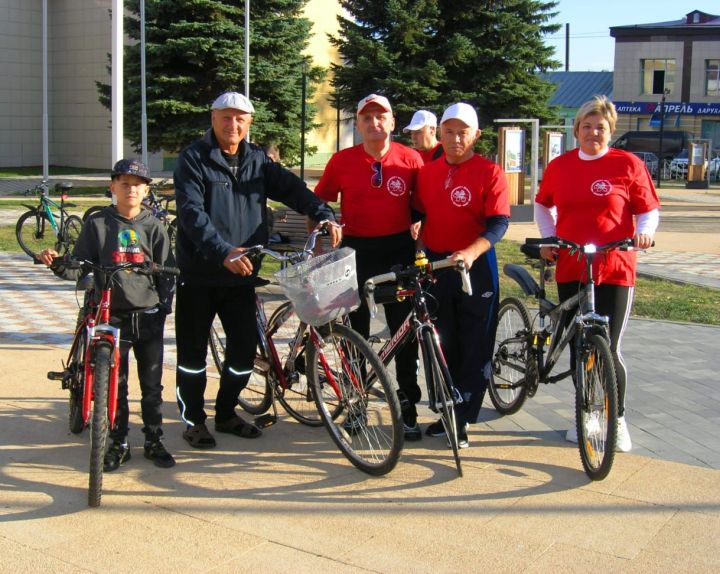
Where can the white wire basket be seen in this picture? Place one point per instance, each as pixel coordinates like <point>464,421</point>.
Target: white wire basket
<point>322,288</point>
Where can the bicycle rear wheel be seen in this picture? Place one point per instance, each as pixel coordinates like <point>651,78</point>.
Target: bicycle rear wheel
<point>72,226</point>
<point>507,387</point>
<point>76,385</point>
<point>441,396</point>
<point>296,396</point>
<point>596,407</point>
<point>256,397</point>
<point>91,211</point>
<point>369,430</point>
<point>99,424</point>
<point>34,232</point>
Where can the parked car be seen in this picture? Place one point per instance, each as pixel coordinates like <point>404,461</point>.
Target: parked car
<point>679,165</point>
<point>673,142</point>
<point>650,159</point>
<point>714,168</point>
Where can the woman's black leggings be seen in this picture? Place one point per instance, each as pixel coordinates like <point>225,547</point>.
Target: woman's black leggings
<point>615,301</point>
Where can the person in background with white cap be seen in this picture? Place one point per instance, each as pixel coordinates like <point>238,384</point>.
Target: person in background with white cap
<point>467,194</point>
<point>222,184</point>
<point>422,129</point>
<point>374,181</point>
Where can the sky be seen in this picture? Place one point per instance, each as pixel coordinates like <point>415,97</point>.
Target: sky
<point>591,46</point>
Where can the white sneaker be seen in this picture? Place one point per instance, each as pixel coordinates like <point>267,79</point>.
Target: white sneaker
<point>571,435</point>
<point>623,444</point>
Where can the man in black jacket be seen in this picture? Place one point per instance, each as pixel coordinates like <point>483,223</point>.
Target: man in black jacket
<point>222,184</point>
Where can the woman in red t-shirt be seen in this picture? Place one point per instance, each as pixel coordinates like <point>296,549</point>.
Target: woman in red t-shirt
<point>598,194</point>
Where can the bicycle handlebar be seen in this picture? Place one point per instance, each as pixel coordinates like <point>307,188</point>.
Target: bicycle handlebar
<point>144,268</point>
<point>414,271</point>
<point>320,229</point>
<point>620,245</point>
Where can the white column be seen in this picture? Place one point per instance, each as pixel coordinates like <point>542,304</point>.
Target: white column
<point>117,80</point>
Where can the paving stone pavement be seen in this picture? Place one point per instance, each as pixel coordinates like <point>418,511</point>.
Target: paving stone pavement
<point>673,403</point>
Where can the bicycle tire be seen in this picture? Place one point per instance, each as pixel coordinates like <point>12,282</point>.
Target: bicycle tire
<point>510,357</point>
<point>34,232</point>
<point>596,406</point>
<point>297,397</point>
<point>76,385</point>
<point>370,435</point>
<point>99,424</point>
<point>92,211</point>
<point>255,397</point>
<point>171,228</point>
<point>72,226</point>
<point>437,370</point>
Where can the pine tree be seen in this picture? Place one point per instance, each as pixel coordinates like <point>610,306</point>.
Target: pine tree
<point>195,50</point>
<point>432,53</point>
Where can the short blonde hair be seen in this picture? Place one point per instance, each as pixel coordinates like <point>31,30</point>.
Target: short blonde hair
<point>601,106</point>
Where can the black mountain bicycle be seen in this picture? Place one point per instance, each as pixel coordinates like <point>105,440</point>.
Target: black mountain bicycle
<point>526,353</point>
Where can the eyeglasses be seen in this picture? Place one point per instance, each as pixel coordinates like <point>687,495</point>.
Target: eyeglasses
<point>376,179</point>
<point>449,178</point>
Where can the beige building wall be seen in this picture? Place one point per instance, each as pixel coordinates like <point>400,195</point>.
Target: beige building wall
<point>20,83</point>
<point>627,78</point>
<point>323,15</point>
<point>702,51</point>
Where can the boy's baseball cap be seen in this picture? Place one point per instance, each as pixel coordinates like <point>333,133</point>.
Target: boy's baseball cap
<point>381,101</point>
<point>420,119</point>
<point>131,167</point>
<point>463,112</point>
<point>234,100</point>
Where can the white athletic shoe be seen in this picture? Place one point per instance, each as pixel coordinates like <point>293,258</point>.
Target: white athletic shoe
<point>571,435</point>
<point>623,444</point>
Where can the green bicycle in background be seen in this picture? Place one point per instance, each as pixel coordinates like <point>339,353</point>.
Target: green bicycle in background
<point>48,225</point>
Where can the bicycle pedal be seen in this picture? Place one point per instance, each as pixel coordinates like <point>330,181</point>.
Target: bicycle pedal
<point>264,421</point>
<point>57,375</point>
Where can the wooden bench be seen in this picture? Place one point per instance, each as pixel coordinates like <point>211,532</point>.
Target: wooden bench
<point>291,228</point>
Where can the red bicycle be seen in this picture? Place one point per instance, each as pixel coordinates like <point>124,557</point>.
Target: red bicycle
<point>91,370</point>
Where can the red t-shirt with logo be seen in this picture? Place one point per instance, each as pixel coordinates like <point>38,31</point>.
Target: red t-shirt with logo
<point>458,199</point>
<point>370,207</point>
<point>596,202</point>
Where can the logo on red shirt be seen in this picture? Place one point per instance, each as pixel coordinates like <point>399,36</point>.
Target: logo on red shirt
<point>601,187</point>
<point>460,196</point>
<point>396,186</point>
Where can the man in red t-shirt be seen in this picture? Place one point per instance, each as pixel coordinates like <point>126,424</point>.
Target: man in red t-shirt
<point>374,181</point>
<point>422,129</point>
<point>465,201</point>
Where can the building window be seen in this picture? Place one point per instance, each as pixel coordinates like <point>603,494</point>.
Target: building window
<point>657,76</point>
<point>712,77</point>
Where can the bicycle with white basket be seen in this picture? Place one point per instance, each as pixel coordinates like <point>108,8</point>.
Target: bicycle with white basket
<point>348,384</point>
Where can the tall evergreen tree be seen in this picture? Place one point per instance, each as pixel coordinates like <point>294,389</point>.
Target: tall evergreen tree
<point>431,53</point>
<point>195,50</point>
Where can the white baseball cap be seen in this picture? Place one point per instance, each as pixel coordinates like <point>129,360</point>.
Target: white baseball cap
<point>233,100</point>
<point>381,101</point>
<point>463,112</point>
<point>421,118</point>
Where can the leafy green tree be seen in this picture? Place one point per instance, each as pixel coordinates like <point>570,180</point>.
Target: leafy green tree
<point>195,50</point>
<point>432,53</point>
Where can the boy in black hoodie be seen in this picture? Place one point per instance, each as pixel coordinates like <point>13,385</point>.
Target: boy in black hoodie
<point>140,303</point>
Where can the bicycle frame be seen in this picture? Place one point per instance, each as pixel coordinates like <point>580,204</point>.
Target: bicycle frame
<point>99,331</point>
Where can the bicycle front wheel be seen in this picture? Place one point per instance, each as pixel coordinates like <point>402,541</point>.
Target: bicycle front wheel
<point>99,424</point>
<point>296,394</point>
<point>76,385</point>
<point>345,373</point>
<point>441,392</point>
<point>70,233</point>
<point>596,407</point>
<point>34,232</point>
<point>507,387</point>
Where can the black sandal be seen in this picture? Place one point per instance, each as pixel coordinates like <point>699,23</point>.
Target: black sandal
<point>238,427</point>
<point>198,436</point>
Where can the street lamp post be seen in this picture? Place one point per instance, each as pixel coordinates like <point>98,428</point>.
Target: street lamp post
<point>662,129</point>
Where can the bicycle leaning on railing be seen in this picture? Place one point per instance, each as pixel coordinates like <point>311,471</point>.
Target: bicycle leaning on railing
<point>48,225</point>
<point>91,370</point>
<point>328,365</point>
<point>411,282</point>
<point>525,353</point>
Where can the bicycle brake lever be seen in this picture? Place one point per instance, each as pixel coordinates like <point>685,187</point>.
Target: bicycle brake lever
<point>370,297</point>
<point>465,277</point>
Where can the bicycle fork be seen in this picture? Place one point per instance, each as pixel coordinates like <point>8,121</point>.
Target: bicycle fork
<point>101,335</point>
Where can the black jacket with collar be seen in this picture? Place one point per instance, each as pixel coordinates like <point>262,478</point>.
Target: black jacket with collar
<point>218,210</point>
